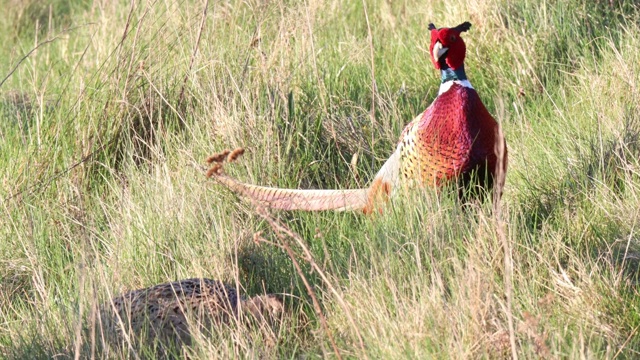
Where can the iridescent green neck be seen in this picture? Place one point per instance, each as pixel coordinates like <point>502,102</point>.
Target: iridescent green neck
<point>449,74</point>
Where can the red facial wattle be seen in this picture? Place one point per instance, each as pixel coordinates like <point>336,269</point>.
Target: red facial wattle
<point>449,39</point>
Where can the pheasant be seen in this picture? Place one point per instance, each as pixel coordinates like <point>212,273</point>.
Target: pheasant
<point>163,310</point>
<point>455,138</point>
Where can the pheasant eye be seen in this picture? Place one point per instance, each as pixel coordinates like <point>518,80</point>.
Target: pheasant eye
<point>452,38</point>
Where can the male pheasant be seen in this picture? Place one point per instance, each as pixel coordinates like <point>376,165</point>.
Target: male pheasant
<point>454,138</point>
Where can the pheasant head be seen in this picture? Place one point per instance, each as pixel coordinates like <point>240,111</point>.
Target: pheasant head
<point>447,48</point>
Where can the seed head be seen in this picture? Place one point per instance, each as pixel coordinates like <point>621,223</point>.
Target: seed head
<point>215,169</point>
<point>235,154</point>
<point>218,158</point>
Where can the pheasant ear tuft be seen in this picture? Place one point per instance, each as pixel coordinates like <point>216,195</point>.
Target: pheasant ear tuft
<point>431,26</point>
<point>465,26</point>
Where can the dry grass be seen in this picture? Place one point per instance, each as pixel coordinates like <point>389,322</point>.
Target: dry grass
<point>104,129</point>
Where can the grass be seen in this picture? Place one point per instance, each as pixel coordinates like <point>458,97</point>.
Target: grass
<point>101,188</point>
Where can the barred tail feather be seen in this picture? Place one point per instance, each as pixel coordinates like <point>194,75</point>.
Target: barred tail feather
<point>366,200</point>
<point>291,199</point>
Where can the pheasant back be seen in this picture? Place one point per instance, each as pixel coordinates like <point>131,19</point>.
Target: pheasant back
<point>165,311</point>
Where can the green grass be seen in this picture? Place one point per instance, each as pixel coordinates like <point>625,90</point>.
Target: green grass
<point>102,188</point>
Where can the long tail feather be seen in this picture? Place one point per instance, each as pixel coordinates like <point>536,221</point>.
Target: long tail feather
<point>290,199</point>
<point>367,200</point>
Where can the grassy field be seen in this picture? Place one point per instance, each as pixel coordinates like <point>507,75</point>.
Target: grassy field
<point>108,110</point>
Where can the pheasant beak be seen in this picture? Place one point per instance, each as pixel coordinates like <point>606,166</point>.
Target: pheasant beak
<point>438,50</point>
